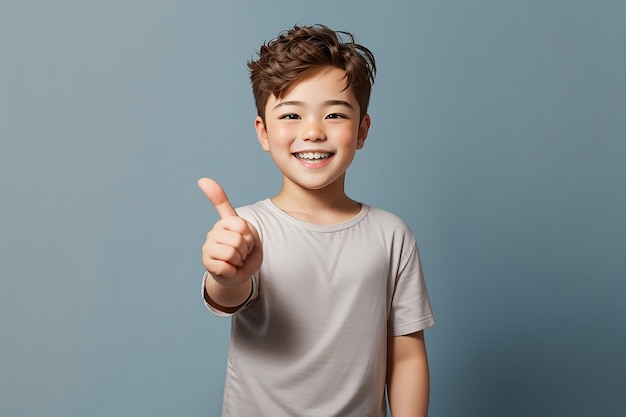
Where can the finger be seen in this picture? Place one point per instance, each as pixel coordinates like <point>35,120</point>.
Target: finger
<point>220,268</point>
<point>214,192</point>
<point>241,243</point>
<point>225,253</point>
<point>242,228</point>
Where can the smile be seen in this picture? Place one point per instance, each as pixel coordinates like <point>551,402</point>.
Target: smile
<point>312,156</point>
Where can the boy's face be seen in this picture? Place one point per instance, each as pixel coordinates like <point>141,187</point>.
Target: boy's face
<point>314,131</point>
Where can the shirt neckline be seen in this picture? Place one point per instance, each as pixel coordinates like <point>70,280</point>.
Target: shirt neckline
<point>322,228</point>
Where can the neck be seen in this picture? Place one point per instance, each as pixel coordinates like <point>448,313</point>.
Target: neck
<point>327,205</point>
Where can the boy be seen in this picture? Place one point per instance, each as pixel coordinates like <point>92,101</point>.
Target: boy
<point>326,294</point>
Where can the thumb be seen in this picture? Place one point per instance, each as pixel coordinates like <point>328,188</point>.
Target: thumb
<point>214,192</point>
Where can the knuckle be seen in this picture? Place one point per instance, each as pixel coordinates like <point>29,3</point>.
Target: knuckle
<point>237,224</point>
<point>221,269</point>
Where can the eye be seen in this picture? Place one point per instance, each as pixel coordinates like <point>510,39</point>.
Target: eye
<point>336,116</point>
<point>289,116</point>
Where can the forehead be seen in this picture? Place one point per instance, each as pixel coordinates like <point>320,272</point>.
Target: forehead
<point>322,84</point>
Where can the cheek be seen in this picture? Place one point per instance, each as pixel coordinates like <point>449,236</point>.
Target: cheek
<point>282,134</point>
<point>278,137</point>
<point>344,135</point>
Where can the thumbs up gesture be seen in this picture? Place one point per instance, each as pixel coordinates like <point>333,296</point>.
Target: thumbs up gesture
<point>232,252</point>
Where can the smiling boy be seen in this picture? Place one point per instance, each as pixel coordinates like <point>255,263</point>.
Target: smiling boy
<point>326,294</point>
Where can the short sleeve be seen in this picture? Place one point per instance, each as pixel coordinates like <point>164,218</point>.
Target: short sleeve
<point>410,309</point>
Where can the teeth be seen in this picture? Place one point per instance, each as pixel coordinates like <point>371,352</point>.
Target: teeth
<point>313,155</point>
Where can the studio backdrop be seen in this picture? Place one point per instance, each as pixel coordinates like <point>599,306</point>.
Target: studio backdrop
<point>498,134</point>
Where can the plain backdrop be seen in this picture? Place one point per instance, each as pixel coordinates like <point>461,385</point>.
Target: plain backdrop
<point>498,134</point>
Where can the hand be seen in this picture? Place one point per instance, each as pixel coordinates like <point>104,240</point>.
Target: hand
<point>232,252</point>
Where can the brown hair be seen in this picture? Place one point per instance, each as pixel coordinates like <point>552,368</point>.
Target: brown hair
<point>285,60</point>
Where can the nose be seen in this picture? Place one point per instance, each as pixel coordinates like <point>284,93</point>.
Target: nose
<point>313,131</point>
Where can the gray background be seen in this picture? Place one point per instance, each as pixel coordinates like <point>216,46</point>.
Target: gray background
<point>498,135</point>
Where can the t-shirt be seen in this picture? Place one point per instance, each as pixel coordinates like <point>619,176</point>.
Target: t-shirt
<point>312,339</point>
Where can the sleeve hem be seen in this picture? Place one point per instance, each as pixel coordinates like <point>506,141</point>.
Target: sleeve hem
<point>412,327</point>
<point>220,313</point>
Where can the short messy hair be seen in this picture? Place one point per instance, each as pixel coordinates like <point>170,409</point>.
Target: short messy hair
<point>284,61</point>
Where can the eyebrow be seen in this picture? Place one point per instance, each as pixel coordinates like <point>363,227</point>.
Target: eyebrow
<point>326,103</point>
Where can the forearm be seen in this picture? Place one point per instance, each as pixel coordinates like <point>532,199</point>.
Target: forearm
<point>408,378</point>
<point>227,299</point>
<point>409,390</point>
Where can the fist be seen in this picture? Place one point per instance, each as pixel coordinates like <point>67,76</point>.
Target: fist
<point>232,252</point>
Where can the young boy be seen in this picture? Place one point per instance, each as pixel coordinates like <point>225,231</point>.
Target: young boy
<point>326,294</point>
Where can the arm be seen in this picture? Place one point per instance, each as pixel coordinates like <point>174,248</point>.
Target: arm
<point>226,299</point>
<point>231,254</point>
<point>408,379</point>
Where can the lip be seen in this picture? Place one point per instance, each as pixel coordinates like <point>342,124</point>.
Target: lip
<point>313,151</point>
<point>314,164</point>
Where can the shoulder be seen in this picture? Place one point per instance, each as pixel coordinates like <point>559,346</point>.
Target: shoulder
<point>261,215</point>
<point>390,229</point>
<point>392,226</point>
<point>251,210</point>
<point>387,220</point>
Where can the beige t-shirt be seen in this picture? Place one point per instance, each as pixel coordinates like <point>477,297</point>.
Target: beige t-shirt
<point>312,339</point>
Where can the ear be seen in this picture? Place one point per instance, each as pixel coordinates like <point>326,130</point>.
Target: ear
<point>261,133</point>
<point>364,127</point>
